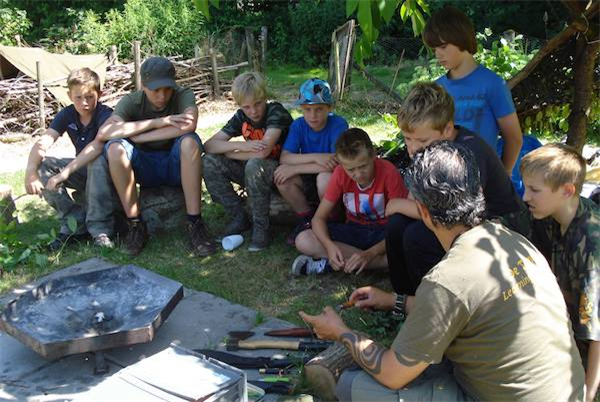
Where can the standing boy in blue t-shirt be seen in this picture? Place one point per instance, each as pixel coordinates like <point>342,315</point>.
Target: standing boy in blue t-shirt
<point>308,156</point>
<point>90,204</point>
<point>483,103</point>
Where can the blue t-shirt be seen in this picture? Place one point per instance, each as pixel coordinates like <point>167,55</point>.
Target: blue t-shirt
<point>80,135</point>
<point>480,99</point>
<point>303,140</point>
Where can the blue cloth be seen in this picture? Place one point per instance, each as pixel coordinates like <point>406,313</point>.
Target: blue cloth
<point>480,99</point>
<point>155,168</point>
<point>356,235</point>
<point>303,140</point>
<point>80,135</point>
<point>529,144</point>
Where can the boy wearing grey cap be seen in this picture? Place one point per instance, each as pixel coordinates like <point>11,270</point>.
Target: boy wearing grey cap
<point>151,141</point>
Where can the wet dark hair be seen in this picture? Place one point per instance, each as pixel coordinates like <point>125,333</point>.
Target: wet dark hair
<point>450,25</point>
<point>444,177</point>
<point>352,142</point>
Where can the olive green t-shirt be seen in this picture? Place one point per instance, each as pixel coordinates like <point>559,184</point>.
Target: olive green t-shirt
<point>493,307</point>
<point>136,106</point>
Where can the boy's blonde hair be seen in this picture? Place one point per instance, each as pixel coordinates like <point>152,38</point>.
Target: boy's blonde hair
<point>250,85</point>
<point>353,142</point>
<point>85,77</point>
<point>560,164</point>
<point>426,103</point>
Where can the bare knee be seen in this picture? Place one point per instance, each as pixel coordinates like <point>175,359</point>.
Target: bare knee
<point>116,152</point>
<point>189,147</point>
<point>307,242</point>
<point>322,181</point>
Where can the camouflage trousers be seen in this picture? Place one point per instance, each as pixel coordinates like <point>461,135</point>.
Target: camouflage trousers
<point>93,200</point>
<point>255,175</point>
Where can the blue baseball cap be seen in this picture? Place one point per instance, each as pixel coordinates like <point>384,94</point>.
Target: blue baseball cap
<point>313,92</point>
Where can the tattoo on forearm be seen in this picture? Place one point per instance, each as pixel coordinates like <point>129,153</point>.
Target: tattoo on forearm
<point>369,358</point>
<point>405,361</point>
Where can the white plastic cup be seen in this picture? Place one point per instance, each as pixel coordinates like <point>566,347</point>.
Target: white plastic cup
<point>232,242</point>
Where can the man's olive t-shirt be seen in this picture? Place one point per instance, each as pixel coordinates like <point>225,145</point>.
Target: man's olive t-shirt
<point>136,106</point>
<point>493,307</point>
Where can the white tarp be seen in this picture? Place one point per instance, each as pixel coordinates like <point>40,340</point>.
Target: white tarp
<point>54,67</point>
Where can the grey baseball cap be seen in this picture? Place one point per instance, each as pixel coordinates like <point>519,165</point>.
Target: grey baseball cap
<point>158,72</point>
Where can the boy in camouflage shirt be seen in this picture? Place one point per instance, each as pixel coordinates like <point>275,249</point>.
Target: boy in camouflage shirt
<point>566,229</point>
<point>250,163</point>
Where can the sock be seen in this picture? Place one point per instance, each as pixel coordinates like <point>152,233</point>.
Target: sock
<point>305,217</point>
<point>194,218</point>
<point>135,219</point>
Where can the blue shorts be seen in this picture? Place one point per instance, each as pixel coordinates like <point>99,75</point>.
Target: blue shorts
<point>356,235</point>
<point>156,168</point>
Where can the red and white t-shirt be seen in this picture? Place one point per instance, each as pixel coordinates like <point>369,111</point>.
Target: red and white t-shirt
<point>367,205</point>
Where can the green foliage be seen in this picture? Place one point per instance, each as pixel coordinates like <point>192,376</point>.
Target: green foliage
<point>505,58</point>
<point>13,22</point>
<point>167,27</point>
<point>371,15</point>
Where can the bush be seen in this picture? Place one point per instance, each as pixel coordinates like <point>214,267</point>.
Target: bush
<point>13,22</point>
<point>168,27</point>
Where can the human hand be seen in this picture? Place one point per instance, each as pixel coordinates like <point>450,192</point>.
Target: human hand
<point>358,261</point>
<point>33,184</point>
<point>184,121</point>
<point>253,146</point>
<point>56,180</point>
<point>326,161</point>
<point>371,298</point>
<point>327,325</point>
<point>335,256</point>
<point>283,173</point>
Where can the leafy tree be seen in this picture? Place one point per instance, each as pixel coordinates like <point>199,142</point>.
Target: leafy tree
<point>13,22</point>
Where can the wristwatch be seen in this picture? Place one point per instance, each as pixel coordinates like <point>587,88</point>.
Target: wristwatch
<point>400,307</point>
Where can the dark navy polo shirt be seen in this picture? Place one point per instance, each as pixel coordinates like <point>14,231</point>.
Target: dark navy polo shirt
<point>68,120</point>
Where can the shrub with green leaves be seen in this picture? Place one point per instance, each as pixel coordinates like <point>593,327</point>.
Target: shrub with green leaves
<point>168,27</point>
<point>13,22</point>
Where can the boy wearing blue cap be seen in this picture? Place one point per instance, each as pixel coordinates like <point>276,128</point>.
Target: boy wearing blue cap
<point>308,155</point>
<point>151,141</point>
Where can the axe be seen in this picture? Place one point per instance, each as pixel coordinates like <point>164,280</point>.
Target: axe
<point>238,341</point>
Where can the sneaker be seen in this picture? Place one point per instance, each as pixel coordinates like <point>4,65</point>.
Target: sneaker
<point>202,243</point>
<point>260,240</point>
<point>102,240</point>
<point>238,225</point>
<point>137,235</point>
<point>64,238</point>
<point>301,227</point>
<point>305,265</point>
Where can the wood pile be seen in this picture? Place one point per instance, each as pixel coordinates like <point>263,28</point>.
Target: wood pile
<point>19,103</point>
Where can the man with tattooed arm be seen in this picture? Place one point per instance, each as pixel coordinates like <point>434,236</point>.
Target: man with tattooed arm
<point>492,307</point>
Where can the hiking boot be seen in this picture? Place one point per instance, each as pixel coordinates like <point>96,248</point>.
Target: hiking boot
<point>202,243</point>
<point>63,238</point>
<point>301,227</point>
<point>102,240</point>
<point>137,235</point>
<point>238,225</point>
<point>260,239</point>
<point>305,265</point>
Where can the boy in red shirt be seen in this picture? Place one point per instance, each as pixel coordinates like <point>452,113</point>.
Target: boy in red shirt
<point>365,184</point>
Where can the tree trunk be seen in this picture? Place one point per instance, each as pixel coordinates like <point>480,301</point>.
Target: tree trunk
<point>583,72</point>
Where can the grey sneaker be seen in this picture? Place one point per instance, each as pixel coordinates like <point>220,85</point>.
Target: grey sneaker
<point>305,265</point>
<point>102,240</point>
<point>239,224</point>
<point>260,239</point>
<point>136,237</point>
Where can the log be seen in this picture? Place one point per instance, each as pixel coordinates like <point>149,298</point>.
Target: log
<point>323,371</point>
<point>7,205</point>
<point>137,64</point>
<point>163,208</point>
